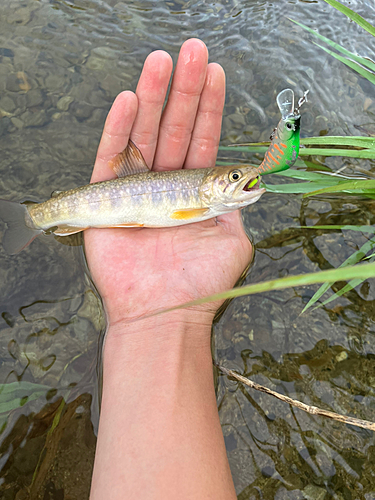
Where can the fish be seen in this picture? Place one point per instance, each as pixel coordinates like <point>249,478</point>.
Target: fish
<point>285,138</point>
<point>138,197</point>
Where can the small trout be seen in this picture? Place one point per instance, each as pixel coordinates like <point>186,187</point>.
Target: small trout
<point>284,148</point>
<point>137,198</point>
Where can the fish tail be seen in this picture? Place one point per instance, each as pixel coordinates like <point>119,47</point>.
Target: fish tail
<point>17,234</point>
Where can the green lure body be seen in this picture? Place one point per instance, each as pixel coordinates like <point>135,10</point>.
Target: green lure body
<point>284,148</point>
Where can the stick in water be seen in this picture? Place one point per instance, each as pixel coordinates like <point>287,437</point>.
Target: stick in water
<point>313,410</point>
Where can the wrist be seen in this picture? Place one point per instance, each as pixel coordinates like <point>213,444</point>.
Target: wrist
<point>182,328</point>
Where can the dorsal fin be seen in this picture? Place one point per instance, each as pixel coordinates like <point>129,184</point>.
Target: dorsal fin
<point>129,162</point>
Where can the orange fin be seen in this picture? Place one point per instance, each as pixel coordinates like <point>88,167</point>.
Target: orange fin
<point>67,230</point>
<point>129,224</point>
<point>129,162</point>
<point>188,213</point>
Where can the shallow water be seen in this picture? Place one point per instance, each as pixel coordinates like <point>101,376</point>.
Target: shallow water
<point>61,65</point>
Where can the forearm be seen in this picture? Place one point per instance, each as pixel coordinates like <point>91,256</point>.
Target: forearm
<point>159,433</point>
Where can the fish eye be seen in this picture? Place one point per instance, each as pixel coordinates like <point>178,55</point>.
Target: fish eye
<point>235,175</point>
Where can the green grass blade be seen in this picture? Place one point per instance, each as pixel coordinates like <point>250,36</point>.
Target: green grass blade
<point>16,394</point>
<point>361,271</point>
<point>362,229</point>
<point>358,68</point>
<point>350,153</point>
<point>350,261</point>
<point>352,15</point>
<point>361,60</point>
<point>355,187</point>
<point>313,176</point>
<point>352,284</point>
<point>295,187</point>
<point>332,140</point>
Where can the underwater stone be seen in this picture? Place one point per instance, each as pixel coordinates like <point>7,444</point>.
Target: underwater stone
<point>64,103</point>
<point>34,98</point>
<point>7,104</point>
<point>17,122</point>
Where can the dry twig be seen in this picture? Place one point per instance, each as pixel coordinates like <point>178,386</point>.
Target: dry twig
<point>313,410</point>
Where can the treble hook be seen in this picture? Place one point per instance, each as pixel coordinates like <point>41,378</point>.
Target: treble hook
<point>302,100</point>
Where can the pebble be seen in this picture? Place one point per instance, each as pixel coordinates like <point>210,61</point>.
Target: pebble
<point>64,103</point>
<point>313,492</point>
<point>6,52</point>
<point>17,122</point>
<point>367,103</point>
<point>34,98</point>
<point>105,52</point>
<point>34,119</point>
<point>53,82</point>
<point>20,16</point>
<point>7,104</point>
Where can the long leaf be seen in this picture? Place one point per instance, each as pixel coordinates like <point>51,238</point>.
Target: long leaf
<point>353,259</point>
<point>350,153</point>
<point>362,229</point>
<point>361,60</point>
<point>295,187</point>
<point>362,71</point>
<point>353,16</point>
<point>16,394</point>
<point>334,140</point>
<point>356,187</point>
<point>362,271</point>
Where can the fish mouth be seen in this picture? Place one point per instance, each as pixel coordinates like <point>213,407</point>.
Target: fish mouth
<point>252,185</point>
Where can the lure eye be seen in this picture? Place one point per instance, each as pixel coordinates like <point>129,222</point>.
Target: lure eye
<point>289,126</point>
<point>235,175</point>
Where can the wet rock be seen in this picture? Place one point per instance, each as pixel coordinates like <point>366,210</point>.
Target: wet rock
<point>4,125</point>
<point>34,98</point>
<point>105,53</point>
<point>64,103</point>
<point>268,471</point>
<point>13,83</point>
<point>6,52</point>
<point>313,492</point>
<point>17,122</point>
<point>17,82</point>
<point>81,111</point>
<point>34,119</point>
<point>54,82</point>
<point>96,63</point>
<point>7,104</point>
<point>20,16</point>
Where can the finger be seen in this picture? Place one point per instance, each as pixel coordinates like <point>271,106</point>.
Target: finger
<point>179,116</point>
<point>151,91</point>
<point>206,134</point>
<point>115,135</point>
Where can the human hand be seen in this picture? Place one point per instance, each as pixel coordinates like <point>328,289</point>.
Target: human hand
<point>140,270</point>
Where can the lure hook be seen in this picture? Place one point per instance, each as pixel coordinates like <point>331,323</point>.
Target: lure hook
<point>302,100</point>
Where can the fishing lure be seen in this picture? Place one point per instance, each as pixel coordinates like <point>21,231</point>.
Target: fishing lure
<point>284,148</point>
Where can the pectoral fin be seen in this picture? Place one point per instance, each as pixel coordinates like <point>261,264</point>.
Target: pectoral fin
<point>188,213</point>
<point>55,193</point>
<point>129,162</point>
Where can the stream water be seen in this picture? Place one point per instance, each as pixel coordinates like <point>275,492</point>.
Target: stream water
<point>61,65</point>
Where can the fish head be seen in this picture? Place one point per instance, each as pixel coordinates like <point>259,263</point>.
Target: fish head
<point>232,187</point>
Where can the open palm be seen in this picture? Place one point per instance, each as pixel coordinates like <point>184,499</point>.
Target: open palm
<point>139,270</point>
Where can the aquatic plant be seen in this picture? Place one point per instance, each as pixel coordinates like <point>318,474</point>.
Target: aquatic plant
<point>316,183</point>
